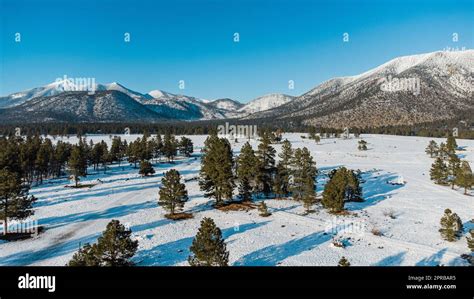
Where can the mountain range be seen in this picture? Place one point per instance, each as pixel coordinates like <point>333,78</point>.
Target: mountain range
<point>406,90</point>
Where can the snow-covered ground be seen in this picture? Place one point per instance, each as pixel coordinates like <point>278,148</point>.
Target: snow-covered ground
<point>73,217</point>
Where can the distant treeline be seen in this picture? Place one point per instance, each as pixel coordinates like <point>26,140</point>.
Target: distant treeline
<point>465,127</point>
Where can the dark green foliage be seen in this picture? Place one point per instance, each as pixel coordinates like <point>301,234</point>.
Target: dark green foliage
<point>146,168</point>
<point>170,147</point>
<point>470,240</point>
<point>216,174</point>
<point>14,200</point>
<point>266,165</point>
<point>343,185</point>
<point>454,164</point>
<point>114,248</point>
<point>343,262</point>
<point>246,170</point>
<point>304,173</point>
<point>77,163</point>
<point>186,147</point>
<point>362,145</point>
<point>263,210</point>
<point>451,144</point>
<point>439,171</point>
<point>451,226</point>
<point>432,149</point>
<point>208,248</point>
<point>173,193</point>
<point>464,177</point>
<point>281,184</point>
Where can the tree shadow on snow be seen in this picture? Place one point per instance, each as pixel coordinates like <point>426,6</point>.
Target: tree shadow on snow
<point>375,189</point>
<point>433,260</point>
<point>175,252</point>
<point>31,256</point>
<point>114,212</point>
<point>272,255</point>
<point>393,260</point>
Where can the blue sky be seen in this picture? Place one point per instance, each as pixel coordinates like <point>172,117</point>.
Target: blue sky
<point>192,40</point>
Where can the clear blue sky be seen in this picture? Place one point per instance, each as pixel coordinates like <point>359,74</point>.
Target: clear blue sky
<point>192,40</point>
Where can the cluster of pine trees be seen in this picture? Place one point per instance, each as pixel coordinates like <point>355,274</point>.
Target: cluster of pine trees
<point>256,172</point>
<point>448,169</point>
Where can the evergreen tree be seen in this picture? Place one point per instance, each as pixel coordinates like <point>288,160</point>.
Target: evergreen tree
<point>451,226</point>
<point>443,152</point>
<point>14,200</point>
<point>335,191</point>
<point>304,173</point>
<point>343,262</point>
<point>85,257</point>
<point>281,184</point>
<point>453,168</point>
<point>208,247</point>
<point>266,165</point>
<point>439,171</point>
<point>464,177</point>
<point>263,210</point>
<point>317,138</point>
<point>186,147</point>
<point>146,168</point>
<point>432,149</point>
<point>173,193</point>
<point>77,163</point>
<point>216,176</point>
<point>114,248</point>
<point>362,145</point>
<point>246,169</point>
<point>170,147</point>
<point>470,240</point>
<point>451,144</point>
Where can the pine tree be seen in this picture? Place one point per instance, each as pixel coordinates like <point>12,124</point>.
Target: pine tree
<point>186,147</point>
<point>246,168</point>
<point>216,174</point>
<point>263,210</point>
<point>464,177</point>
<point>451,144</point>
<point>14,200</point>
<point>281,184</point>
<point>304,173</point>
<point>266,165</point>
<point>85,257</point>
<point>335,191</point>
<point>77,163</point>
<point>432,149</point>
<point>146,168</point>
<point>343,262</point>
<point>439,171</point>
<point>453,168</point>
<point>170,147</point>
<point>208,247</point>
<point>470,240</point>
<point>114,248</point>
<point>451,226</point>
<point>173,193</point>
<point>362,145</point>
<point>443,152</point>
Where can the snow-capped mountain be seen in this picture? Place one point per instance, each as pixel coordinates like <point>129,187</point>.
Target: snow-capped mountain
<point>405,90</point>
<point>64,85</point>
<point>265,102</point>
<point>79,106</point>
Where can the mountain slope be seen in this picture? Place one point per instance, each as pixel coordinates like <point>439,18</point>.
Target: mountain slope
<point>406,90</point>
<point>265,102</point>
<point>79,106</point>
